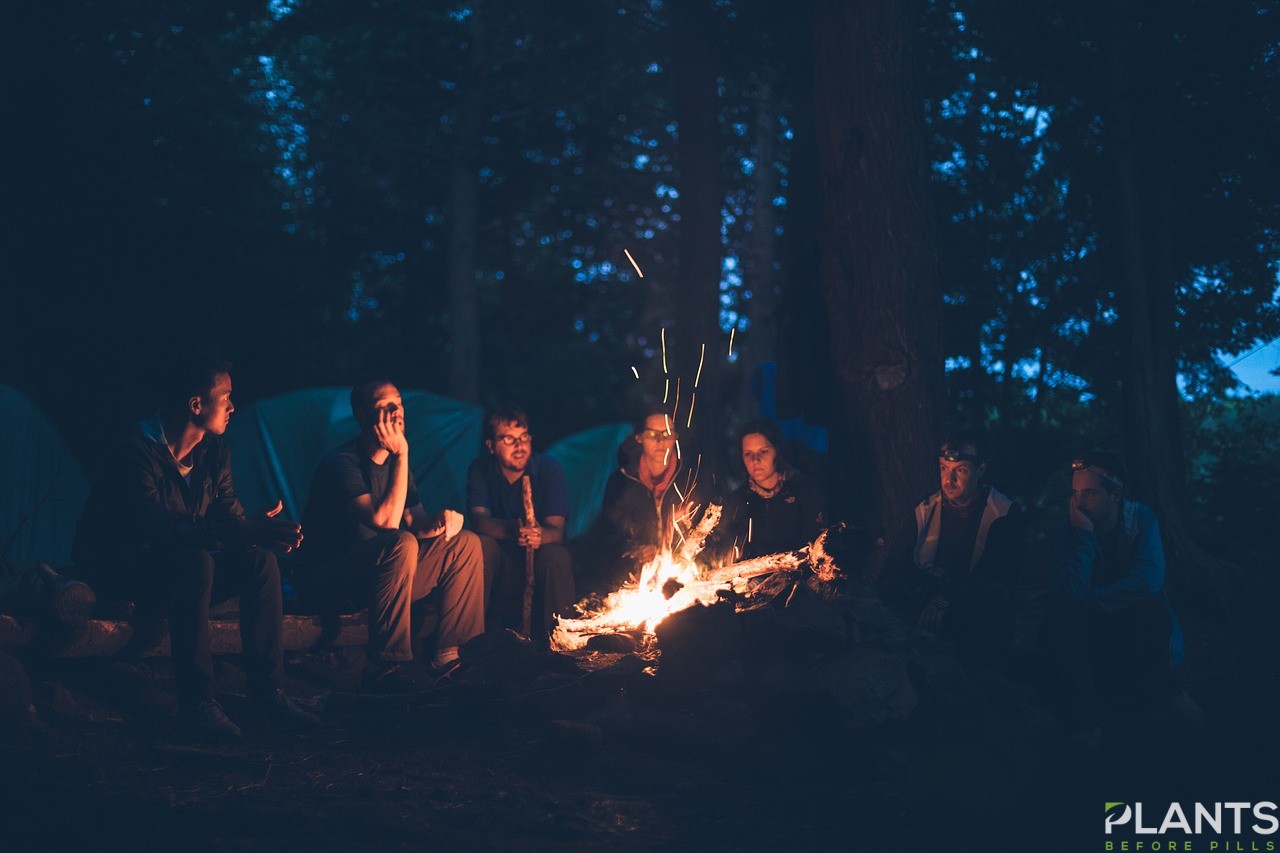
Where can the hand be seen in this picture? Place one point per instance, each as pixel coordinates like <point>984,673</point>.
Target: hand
<point>530,537</point>
<point>1078,519</point>
<point>267,531</point>
<point>449,522</point>
<point>389,430</point>
<point>642,554</point>
<point>931,617</point>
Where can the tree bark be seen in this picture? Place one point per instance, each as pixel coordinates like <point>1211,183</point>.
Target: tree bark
<point>877,255</point>
<point>697,294</point>
<point>1152,424</point>
<point>464,219</point>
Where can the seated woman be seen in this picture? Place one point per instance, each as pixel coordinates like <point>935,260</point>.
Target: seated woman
<point>778,509</point>
<point>653,492</point>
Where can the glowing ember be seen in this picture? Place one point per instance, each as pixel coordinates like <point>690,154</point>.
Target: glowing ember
<point>627,252</point>
<point>636,372</point>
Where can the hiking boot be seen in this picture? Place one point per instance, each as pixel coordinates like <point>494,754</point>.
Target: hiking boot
<point>278,709</point>
<point>206,719</point>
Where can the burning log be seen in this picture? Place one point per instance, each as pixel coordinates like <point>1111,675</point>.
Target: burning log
<point>697,538</point>
<point>814,555</point>
<point>668,584</point>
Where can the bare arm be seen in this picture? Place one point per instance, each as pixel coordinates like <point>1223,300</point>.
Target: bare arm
<point>484,522</point>
<point>447,522</point>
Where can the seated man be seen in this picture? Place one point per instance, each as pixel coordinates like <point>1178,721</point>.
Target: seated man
<point>163,528</point>
<point>1110,629</point>
<point>371,544</point>
<point>955,563</point>
<point>495,498</point>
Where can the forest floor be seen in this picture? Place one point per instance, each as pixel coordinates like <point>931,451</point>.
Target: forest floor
<point>606,760</point>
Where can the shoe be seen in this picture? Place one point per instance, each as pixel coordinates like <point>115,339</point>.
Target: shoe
<point>206,719</point>
<point>279,710</point>
<point>442,672</point>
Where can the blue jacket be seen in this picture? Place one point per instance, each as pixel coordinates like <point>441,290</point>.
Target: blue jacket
<point>1077,555</point>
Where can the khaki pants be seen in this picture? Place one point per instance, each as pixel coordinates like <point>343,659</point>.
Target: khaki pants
<point>389,572</point>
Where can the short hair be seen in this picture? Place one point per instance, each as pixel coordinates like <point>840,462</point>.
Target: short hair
<point>772,434</point>
<point>362,394</point>
<point>504,413</point>
<point>190,375</point>
<point>1108,461</point>
<point>957,439</point>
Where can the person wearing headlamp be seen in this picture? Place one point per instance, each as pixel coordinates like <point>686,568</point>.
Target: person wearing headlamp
<point>1111,631</point>
<point>956,560</point>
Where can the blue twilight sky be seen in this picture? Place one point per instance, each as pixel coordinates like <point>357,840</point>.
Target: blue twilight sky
<point>1255,370</point>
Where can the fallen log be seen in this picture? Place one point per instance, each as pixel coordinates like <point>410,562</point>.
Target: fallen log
<point>106,637</point>
<point>42,593</point>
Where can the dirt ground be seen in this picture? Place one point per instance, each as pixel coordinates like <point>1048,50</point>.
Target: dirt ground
<point>558,757</point>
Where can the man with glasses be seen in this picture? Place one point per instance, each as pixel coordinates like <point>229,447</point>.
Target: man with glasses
<point>370,543</point>
<point>495,498</point>
<point>956,561</point>
<point>1111,631</point>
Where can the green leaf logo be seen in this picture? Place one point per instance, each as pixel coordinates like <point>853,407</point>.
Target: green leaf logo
<point>1111,806</point>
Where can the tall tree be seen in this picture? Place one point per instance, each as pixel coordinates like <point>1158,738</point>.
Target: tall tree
<point>878,264</point>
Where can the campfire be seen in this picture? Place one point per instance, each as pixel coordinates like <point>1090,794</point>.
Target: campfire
<point>672,581</point>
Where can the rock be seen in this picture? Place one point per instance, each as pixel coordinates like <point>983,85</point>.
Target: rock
<point>780,675</point>
<point>869,687</point>
<point>696,642</point>
<point>807,623</point>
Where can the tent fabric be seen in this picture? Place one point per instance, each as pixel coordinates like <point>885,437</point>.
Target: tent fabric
<point>37,462</point>
<point>588,459</point>
<point>277,443</point>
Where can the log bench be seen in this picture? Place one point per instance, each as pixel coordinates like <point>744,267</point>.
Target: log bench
<point>106,637</point>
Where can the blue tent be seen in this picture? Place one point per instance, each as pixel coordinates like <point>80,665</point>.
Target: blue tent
<point>276,445</point>
<point>38,470</point>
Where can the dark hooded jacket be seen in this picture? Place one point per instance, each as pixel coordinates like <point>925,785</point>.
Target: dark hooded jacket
<point>630,517</point>
<point>140,502</point>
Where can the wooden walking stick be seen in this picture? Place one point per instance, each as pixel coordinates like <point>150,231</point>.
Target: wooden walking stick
<point>530,520</point>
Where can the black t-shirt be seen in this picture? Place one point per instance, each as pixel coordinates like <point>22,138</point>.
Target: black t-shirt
<point>344,475</point>
<point>959,532</point>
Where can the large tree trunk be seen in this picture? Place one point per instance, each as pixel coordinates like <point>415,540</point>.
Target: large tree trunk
<point>1146,286</point>
<point>696,300</point>
<point>878,263</point>
<point>464,219</point>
